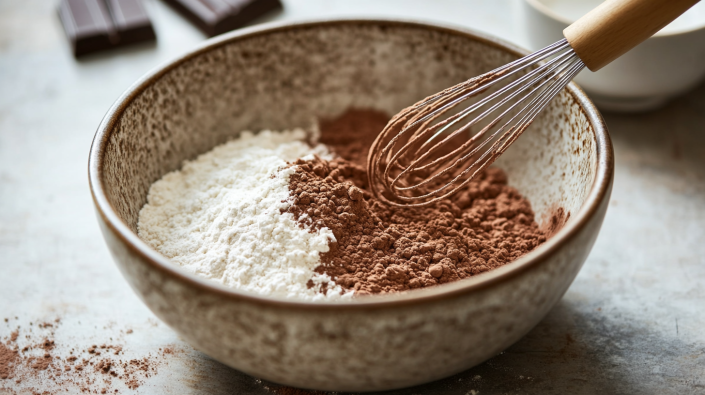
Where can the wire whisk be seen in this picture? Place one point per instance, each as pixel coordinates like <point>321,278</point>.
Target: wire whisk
<point>411,157</point>
<point>433,149</point>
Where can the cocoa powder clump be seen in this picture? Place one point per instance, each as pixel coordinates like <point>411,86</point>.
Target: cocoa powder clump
<point>384,249</point>
<point>8,359</point>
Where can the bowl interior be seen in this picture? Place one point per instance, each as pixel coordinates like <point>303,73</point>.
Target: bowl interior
<point>286,77</point>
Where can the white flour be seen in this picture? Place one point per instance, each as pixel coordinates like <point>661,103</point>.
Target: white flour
<point>220,218</point>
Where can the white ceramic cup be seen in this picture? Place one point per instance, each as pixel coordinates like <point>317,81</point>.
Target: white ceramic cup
<point>664,66</point>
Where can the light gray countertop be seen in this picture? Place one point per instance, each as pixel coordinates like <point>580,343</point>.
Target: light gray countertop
<point>631,323</point>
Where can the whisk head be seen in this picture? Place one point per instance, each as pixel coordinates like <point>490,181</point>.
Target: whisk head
<point>431,150</point>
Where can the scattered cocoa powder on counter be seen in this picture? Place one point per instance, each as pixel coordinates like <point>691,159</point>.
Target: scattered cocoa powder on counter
<point>8,360</point>
<point>29,358</point>
<point>383,249</point>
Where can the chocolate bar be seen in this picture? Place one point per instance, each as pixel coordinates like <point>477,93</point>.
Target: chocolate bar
<point>96,25</point>
<point>131,21</point>
<point>214,17</point>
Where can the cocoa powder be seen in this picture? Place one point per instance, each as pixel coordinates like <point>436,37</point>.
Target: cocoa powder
<point>384,249</point>
<point>30,359</point>
<point>8,359</point>
<point>351,134</point>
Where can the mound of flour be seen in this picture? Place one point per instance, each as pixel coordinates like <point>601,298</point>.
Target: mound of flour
<point>221,218</point>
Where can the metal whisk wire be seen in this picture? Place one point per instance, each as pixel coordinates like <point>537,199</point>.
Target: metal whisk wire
<point>408,165</point>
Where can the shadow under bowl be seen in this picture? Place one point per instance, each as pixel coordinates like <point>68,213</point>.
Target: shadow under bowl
<point>286,75</point>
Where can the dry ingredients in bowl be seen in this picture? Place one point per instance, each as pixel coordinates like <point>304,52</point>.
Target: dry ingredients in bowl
<point>272,214</point>
<point>221,218</point>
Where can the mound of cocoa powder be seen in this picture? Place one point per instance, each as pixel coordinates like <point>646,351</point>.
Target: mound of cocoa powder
<point>383,249</point>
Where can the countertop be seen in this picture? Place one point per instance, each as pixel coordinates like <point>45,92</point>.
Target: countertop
<point>631,323</point>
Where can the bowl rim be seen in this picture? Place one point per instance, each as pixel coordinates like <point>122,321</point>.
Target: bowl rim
<point>539,6</point>
<point>599,191</point>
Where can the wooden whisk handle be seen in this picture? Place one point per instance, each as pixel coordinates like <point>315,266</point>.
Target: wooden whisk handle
<point>616,26</point>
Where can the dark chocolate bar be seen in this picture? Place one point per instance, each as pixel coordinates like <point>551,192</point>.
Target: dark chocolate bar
<point>131,21</point>
<point>87,24</point>
<point>214,17</point>
<point>96,25</point>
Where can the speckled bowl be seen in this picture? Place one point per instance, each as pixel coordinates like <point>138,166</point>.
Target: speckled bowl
<point>280,76</point>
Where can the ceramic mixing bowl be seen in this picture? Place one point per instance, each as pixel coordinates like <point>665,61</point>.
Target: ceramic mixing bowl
<point>281,76</point>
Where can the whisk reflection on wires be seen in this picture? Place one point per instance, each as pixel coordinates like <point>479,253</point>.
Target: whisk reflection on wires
<point>431,150</point>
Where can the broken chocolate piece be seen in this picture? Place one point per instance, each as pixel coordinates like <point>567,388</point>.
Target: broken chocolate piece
<point>96,25</point>
<point>131,21</point>
<point>214,17</point>
<point>87,24</point>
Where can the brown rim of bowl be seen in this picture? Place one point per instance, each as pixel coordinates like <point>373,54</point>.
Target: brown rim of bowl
<point>598,191</point>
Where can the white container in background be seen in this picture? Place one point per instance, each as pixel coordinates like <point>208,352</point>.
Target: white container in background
<point>666,65</point>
